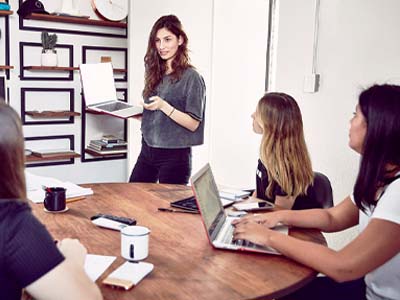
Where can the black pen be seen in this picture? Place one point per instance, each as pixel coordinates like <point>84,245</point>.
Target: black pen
<point>176,211</point>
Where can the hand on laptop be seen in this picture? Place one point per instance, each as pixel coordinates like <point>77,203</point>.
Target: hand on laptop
<point>253,232</point>
<point>269,220</point>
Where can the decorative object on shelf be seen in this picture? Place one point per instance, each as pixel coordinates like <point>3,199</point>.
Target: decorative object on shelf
<point>49,53</point>
<point>4,6</point>
<point>113,10</point>
<point>105,59</point>
<point>31,6</point>
<point>70,7</point>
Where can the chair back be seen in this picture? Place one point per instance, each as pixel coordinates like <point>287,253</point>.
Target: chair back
<point>323,190</point>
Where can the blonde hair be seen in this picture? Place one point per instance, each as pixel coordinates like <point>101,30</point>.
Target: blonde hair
<point>283,150</point>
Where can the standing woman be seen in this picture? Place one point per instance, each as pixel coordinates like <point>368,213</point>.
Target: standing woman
<point>174,101</point>
<point>29,258</point>
<point>369,266</point>
<point>284,172</point>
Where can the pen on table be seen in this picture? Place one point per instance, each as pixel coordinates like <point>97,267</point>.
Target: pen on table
<point>73,199</point>
<point>176,211</point>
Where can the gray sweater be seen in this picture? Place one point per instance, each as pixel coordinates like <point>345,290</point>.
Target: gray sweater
<point>187,95</point>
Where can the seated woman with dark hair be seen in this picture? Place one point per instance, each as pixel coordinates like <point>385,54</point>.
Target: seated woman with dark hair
<point>284,172</point>
<point>29,258</point>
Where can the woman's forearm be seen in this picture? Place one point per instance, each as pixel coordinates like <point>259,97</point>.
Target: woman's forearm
<point>311,218</point>
<point>180,117</point>
<point>337,218</point>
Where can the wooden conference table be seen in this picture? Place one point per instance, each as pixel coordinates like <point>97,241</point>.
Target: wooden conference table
<point>185,264</point>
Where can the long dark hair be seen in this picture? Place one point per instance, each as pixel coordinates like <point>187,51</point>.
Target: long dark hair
<point>12,157</point>
<point>380,105</point>
<point>155,66</point>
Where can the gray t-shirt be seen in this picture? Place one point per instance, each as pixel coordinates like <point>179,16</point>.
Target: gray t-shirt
<point>187,95</point>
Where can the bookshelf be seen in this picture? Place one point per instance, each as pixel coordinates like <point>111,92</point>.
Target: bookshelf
<point>52,114</point>
<point>95,154</point>
<point>4,13</point>
<point>4,67</point>
<point>45,68</point>
<point>34,158</point>
<point>75,20</point>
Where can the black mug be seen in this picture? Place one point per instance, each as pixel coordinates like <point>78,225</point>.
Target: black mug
<point>55,199</point>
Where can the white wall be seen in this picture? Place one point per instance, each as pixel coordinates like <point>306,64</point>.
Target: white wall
<point>239,60</point>
<point>357,47</point>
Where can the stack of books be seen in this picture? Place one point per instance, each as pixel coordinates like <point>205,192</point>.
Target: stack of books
<point>108,144</point>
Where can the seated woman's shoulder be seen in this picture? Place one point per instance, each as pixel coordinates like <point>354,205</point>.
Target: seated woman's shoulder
<point>11,207</point>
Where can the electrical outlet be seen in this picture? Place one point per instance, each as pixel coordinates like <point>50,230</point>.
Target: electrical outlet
<point>311,83</point>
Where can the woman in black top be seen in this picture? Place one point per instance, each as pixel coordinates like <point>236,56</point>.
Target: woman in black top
<point>284,171</point>
<point>174,102</point>
<point>29,258</point>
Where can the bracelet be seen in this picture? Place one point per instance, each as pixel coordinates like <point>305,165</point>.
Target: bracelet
<point>172,110</point>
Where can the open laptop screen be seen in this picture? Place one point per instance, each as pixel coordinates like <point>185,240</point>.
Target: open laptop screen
<point>98,83</point>
<point>208,197</point>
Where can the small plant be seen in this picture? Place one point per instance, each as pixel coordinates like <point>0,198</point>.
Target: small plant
<point>49,42</point>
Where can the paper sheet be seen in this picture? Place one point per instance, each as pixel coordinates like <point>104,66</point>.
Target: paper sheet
<point>132,272</point>
<point>95,265</point>
<point>35,183</point>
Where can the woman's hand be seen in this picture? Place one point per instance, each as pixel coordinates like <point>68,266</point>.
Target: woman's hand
<point>73,250</point>
<point>253,232</point>
<point>157,103</point>
<point>268,220</point>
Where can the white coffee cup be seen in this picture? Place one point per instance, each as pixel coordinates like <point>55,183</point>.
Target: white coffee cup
<point>135,242</point>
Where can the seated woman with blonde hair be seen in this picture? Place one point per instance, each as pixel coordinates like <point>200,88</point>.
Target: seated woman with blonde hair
<point>284,172</point>
<point>29,258</point>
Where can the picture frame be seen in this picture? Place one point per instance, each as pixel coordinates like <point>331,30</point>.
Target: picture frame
<point>3,88</point>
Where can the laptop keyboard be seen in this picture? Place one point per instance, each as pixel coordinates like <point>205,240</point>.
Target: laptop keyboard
<point>187,203</point>
<point>228,239</point>
<point>114,106</point>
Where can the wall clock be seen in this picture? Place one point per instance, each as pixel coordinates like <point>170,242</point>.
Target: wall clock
<point>113,10</point>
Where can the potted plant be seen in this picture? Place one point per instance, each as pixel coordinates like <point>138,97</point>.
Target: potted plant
<point>49,54</point>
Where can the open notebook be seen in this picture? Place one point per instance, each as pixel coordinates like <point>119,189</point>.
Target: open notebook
<point>100,93</point>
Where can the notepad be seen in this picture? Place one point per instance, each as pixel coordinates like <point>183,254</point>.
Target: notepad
<point>129,274</point>
<point>95,265</point>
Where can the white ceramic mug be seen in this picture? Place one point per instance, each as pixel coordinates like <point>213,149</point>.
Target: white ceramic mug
<point>135,242</point>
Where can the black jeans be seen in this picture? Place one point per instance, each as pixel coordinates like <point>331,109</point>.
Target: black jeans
<point>162,165</point>
<point>325,288</point>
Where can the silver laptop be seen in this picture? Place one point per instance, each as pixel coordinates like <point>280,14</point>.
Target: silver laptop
<point>217,224</point>
<point>100,93</point>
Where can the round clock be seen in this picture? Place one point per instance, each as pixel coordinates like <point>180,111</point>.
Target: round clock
<point>113,10</point>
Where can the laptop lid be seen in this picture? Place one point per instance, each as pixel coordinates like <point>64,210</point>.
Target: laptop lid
<point>208,200</point>
<point>98,83</point>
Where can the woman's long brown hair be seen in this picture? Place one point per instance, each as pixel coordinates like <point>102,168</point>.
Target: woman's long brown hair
<point>155,66</point>
<point>12,157</point>
<point>283,150</point>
